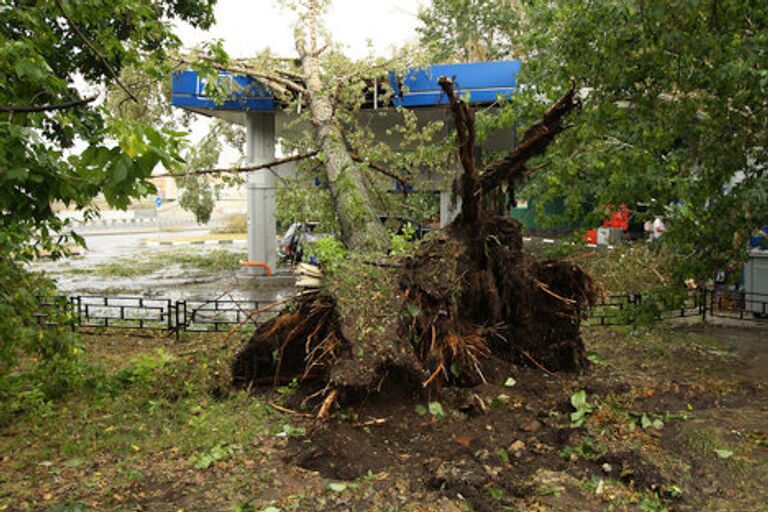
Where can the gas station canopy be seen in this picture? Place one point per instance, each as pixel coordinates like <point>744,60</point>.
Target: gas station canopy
<point>485,82</point>
<point>253,106</point>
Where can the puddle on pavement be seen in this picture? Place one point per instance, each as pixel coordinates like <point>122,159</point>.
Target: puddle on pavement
<point>172,282</point>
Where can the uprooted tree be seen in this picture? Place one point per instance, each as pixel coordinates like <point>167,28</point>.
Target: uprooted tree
<point>438,316</point>
<point>444,313</point>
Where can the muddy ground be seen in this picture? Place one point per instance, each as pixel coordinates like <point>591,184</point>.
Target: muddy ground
<point>675,419</point>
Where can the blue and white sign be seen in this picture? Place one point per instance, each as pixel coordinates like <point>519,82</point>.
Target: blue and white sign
<point>483,82</point>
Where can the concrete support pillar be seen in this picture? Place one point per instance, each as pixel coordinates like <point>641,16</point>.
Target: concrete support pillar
<point>262,228</point>
<point>449,207</point>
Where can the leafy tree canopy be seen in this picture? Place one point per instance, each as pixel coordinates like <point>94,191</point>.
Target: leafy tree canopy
<point>59,143</point>
<point>470,30</point>
<point>674,116</point>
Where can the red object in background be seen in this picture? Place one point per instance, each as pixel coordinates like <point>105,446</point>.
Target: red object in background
<point>591,237</point>
<point>618,218</point>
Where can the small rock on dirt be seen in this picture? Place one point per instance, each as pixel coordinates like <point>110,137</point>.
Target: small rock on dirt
<point>531,426</point>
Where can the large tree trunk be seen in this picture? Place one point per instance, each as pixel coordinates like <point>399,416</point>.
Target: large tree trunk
<point>361,228</point>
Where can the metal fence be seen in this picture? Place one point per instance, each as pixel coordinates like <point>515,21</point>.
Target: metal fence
<point>633,308</point>
<point>96,312</point>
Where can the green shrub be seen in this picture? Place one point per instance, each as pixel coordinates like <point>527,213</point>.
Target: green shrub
<point>330,252</point>
<point>39,354</point>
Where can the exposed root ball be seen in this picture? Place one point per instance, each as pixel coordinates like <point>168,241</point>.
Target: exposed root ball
<point>463,299</point>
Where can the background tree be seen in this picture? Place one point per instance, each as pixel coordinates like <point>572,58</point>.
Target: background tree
<point>45,47</point>
<point>470,30</point>
<point>675,116</point>
<point>59,144</point>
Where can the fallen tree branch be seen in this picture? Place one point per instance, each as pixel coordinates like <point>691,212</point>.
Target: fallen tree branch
<point>382,170</point>
<point>280,84</point>
<point>289,411</point>
<point>50,107</point>
<point>257,167</point>
<point>375,422</point>
<point>92,47</point>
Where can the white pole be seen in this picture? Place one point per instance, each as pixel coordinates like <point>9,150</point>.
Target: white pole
<point>260,131</point>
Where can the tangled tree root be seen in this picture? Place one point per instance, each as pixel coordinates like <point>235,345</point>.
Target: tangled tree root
<point>442,315</point>
<point>436,318</point>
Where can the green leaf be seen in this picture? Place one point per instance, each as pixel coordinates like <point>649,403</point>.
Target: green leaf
<point>338,486</point>
<point>496,493</point>
<point>510,382</point>
<point>204,462</point>
<point>724,453</point>
<point>120,169</point>
<point>579,399</point>
<point>25,68</point>
<point>436,410</point>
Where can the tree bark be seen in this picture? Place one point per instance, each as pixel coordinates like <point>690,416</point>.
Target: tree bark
<point>509,169</point>
<point>361,228</point>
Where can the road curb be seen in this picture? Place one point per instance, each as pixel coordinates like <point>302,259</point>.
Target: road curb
<point>169,243</point>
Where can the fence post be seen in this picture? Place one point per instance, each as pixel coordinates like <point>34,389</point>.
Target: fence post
<point>72,313</point>
<point>168,313</point>
<point>178,321</point>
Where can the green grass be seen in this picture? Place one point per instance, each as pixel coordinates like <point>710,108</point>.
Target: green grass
<point>145,417</point>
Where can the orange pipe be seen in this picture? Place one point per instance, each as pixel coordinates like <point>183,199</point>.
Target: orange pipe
<point>261,264</point>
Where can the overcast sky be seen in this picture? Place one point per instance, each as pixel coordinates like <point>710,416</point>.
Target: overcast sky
<point>247,26</point>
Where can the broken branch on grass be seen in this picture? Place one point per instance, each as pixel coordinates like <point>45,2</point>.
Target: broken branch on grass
<point>288,411</point>
<point>370,423</point>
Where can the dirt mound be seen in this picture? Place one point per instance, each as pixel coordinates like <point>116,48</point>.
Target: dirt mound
<point>514,448</point>
<point>439,317</point>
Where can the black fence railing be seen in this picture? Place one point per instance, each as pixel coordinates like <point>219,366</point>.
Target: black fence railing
<point>741,305</point>
<point>633,308</point>
<point>96,312</point>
